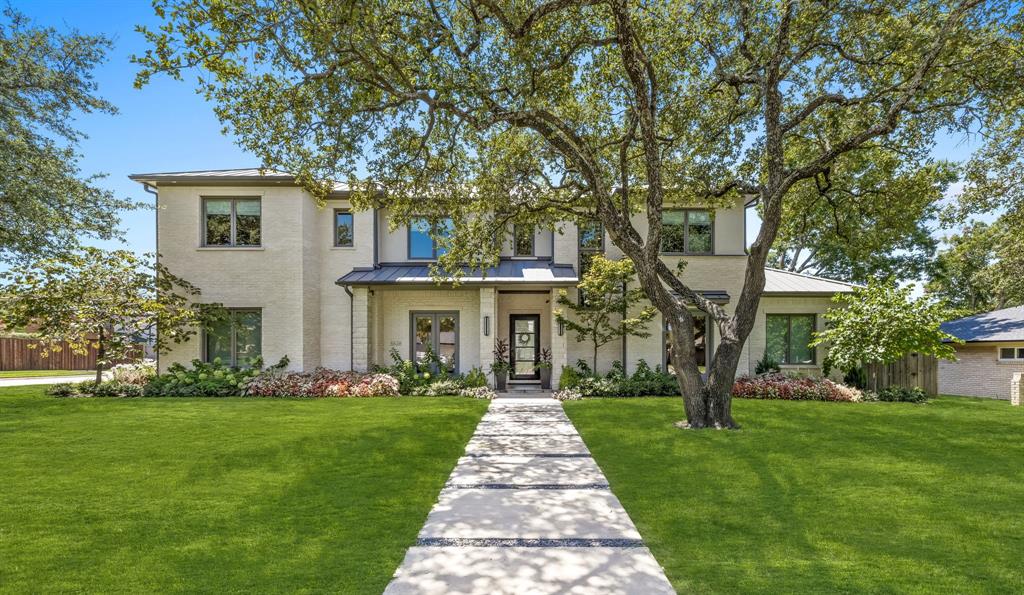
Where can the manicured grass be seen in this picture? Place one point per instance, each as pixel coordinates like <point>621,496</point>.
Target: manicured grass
<point>44,373</point>
<point>822,497</point>
<point>218,495</point>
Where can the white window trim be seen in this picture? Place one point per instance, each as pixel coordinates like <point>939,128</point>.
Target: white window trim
<point>1010,360</point>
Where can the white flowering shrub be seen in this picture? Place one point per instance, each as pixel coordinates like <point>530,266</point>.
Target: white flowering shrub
<point>137,374</point>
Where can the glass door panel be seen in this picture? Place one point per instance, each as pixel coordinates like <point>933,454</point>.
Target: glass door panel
<point>423,339</point>
<point>525,346</point>
<point>446,343</point>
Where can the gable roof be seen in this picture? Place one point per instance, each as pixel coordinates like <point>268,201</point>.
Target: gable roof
<point>1000,325</point>
<point>779,282</point>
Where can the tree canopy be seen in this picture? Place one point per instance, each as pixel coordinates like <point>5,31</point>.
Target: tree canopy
<point>490,111</point>
<point>881,323</point>
<point>108,299</point>
<point>46,79</point>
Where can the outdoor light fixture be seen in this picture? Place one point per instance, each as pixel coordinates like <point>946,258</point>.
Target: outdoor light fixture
<point>561,328</point>
<point>487,326</point>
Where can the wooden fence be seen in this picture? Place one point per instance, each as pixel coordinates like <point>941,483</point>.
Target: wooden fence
<point>15,354</point>
<point>914,370</point>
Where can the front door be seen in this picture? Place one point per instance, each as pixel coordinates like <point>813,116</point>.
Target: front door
<point>525,341</point>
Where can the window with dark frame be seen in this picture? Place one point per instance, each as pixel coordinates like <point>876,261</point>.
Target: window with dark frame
<point>236,339</point>
<point>687,231</point>
<point>788,338</point>
<point>435,333</point>
<point>1011,353</point>
<point>344,228</point>
<point>523,240</point>
<point>231,222</point>
<point>591,243</point>
<point>423,236</point>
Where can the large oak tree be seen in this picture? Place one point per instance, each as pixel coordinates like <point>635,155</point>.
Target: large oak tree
<point>495,111</point>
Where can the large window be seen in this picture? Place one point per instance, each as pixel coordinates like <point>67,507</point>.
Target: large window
<point>231,222</point>
<point>789,338</point>
<point>701,344</point>
<point>1011,354</point>
<point>344,229</point>
<point>522,240</point>
<point>591,243</point>
<point>435,340</point>
<point>686,232</point>
<point>237,339</point>
<point>423,238</point>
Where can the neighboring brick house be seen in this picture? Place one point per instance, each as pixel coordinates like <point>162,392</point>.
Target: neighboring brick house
<point>993,350</point>
<point>330,286</point>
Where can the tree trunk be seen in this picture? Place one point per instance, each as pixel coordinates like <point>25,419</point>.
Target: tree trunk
<point>101,354</point>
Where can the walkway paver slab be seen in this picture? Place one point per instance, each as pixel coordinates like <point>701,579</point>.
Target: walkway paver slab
<point>526,445</point>
<point>527,470</point>
<point>552,514</point>
<point>507,571</point>
<point>493,428</point>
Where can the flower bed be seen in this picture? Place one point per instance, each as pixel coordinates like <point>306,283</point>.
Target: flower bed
<point>788,388</point>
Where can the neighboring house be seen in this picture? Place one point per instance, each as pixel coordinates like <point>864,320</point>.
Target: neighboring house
<point>338,288</point>
<point>992,351</point>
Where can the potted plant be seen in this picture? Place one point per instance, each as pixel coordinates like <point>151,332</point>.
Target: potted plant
<point>544,367</point>
<point>501,365</point>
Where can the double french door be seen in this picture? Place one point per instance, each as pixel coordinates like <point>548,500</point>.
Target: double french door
<point>435,341</point>
<point>524,337</point>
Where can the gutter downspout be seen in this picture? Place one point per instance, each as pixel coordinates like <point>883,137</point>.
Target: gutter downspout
<point>156,206</point>
<point>351,319</point>
<point>376,242</point>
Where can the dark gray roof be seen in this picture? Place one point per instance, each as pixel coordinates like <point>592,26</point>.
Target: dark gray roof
<point>507,271</point>
<point>999,325</point>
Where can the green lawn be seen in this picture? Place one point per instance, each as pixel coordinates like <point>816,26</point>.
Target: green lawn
<point>218,495</point>
<point>43,373</point>
<point>822,497</point>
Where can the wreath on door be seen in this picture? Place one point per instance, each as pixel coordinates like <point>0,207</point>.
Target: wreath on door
<point>524,338</point>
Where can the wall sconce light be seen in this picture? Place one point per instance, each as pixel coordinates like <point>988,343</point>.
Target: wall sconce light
<point>487,326</point>
<point>561,328</point>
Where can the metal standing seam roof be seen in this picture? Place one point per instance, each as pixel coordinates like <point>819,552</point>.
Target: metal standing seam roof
<point>999,325</point>
<point>223,176</point>
<point>507,271</point>
<point>778,281</point>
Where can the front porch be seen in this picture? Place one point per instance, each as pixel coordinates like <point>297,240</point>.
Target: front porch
<point>460,326</point>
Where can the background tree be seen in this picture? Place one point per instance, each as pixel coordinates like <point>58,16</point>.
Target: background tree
<point>603,316</point>
<point>881,323</point>
<point>981,269</point>
<point>109,300</point>
<point>864,218</point>
<point>46,79</point>
<point>490,111</point>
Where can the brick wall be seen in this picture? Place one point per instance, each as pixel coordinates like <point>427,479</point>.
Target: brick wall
<point>978,372</point>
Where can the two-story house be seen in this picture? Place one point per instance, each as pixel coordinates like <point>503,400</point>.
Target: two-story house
<point>334,287</point>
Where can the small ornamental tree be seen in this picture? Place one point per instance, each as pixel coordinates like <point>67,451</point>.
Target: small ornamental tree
<point>604,315</point>
<point>881,323</point>
<point>109,300</point>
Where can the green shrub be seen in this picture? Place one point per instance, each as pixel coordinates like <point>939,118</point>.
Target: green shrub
<point>475,378</point>
<point>903,395</point>
<point>570,378</point>
<point>767,365</point>
<point>206,379</point>
<point>112,388</point>
<point>856,377</point>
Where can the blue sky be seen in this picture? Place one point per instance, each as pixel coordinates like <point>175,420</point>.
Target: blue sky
<point>166,126</point>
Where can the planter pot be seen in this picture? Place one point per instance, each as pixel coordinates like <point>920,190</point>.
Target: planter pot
<point>545,378</point>
<point>499,382</point>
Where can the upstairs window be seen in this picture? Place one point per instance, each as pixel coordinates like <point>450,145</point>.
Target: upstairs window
<point>591,243</point>
<point>344,230</point>
<point>231,222</point>
<point>789,338</point>
<point>686,232</point>
<point>237,339</point>
<point>1011,354</point>
<point>423,236</point>
<point>522,240</point>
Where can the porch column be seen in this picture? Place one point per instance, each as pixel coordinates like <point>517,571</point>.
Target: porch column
<point>361,328</point>
<point>488,325</point>
<point>559,343</point>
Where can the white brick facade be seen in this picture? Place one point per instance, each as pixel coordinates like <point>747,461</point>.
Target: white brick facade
<point>977,372</point>
<point>307,316</point>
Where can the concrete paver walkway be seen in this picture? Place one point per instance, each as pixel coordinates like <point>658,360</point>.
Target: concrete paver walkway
<point>527,510</point>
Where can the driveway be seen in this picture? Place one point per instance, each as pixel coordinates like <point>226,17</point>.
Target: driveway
<point>44,380</point>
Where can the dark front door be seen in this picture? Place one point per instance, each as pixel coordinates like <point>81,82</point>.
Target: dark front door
<point>525,341</point>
